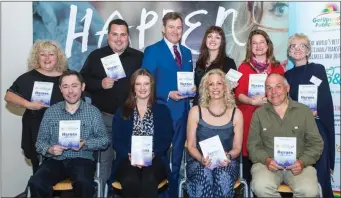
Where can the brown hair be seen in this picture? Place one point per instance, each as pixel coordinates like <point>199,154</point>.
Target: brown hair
<point>269,53</point>
<point>171,16</point>
<point>130,103</point>
<point>204,54</point>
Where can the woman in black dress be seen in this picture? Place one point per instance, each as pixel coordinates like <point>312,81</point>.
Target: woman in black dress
<point>46,63</point>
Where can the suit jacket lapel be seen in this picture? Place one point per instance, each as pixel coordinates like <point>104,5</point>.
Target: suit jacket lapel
<point>170,55</point>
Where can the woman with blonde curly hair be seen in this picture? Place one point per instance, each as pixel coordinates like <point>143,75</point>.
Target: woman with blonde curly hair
<point>36,90</point>
<point>216,114</point>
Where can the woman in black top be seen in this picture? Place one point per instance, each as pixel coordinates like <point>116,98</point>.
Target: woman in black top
<point>46,63</point>
<point>303,73</point>
<point>212,56</point>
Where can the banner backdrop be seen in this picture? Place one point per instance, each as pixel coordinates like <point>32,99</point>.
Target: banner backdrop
<point>322,25</point>
<point>81,27</point>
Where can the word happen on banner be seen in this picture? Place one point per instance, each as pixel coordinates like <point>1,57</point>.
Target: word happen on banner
<point>152,16</point>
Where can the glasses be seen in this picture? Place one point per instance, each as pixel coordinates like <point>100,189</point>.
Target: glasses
<point>274,11</point>
<point>298,46</point>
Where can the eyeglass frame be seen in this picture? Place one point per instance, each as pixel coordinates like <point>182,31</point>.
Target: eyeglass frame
<point>253,20</point>
<point>300,46</point>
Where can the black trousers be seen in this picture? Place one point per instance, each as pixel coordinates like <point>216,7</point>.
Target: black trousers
<point>247,164</point>
<point>140,182</point>
<point>80,171</point>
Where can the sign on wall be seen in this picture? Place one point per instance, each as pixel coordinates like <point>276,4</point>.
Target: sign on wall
<point>81,27</point>
<point>322,25</point>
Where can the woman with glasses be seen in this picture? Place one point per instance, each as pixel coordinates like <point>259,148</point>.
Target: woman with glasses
<point>259,60</point>
<point>305,73</point>
<point>212,56</point>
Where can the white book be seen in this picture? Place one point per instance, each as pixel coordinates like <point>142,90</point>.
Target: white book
<point>69,133</point>
<point>233,75</point>
<point>113,66</point>
<point>186,83</point>
<point>307,94</point>
<point>285,151</point>
<point>213,148</point>
<point>257,84</point>
<point>141,150</point>
<point>42,92</point>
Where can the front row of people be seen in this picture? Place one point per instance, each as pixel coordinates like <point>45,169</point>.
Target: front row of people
<point>142,116</point>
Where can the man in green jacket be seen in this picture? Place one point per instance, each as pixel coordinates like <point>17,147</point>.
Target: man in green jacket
<point>283,117</point>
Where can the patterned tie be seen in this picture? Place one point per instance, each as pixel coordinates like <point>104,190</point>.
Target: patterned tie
<point>177,56</point>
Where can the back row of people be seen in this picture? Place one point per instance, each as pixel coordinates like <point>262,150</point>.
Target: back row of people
<point>142,103</point>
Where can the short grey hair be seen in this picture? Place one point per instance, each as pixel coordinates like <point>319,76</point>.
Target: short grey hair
<point>279,75</point>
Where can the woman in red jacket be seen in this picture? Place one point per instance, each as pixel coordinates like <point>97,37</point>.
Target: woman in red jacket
<point>259,59</point>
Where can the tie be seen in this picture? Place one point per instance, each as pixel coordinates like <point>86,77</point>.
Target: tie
<point>177,56</point>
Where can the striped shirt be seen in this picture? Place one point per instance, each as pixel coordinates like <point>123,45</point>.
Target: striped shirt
<point>92,131</point>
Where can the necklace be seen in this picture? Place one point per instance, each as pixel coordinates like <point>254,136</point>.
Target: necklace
<point>217,115</point>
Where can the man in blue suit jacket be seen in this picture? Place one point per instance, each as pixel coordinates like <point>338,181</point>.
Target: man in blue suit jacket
<point>164,59</point>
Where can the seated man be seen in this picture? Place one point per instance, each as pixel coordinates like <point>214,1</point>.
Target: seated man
<point>283,117</point>
<point>62,162</point>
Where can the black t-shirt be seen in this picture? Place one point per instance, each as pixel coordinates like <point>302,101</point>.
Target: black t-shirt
<point>23,86</point>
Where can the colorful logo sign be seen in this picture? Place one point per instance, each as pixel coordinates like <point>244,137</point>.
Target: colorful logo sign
<point>329,17</point>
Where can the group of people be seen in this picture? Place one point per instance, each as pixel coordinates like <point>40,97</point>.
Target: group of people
<point>147,103</point>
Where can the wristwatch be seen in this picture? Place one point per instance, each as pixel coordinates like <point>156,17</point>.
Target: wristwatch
<point>229,156</point>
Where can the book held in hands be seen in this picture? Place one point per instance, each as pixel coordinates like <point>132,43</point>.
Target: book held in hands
<point>42,92</point>
<point>213,148</point>
<point>307,94</point>
<point>69,133</point>
<point>285,151</point>
<point>141,150</point>
<point>257,84</point>
<point>233,76</point>
<point>113,66</point>
<point>186,83</point>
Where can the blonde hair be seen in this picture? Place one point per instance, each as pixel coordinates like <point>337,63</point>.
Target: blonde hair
<point>300,36</point>
<point>204,97</point>
<point>47,45</point>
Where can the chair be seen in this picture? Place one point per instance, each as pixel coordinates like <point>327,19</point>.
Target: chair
<point>283,188</point>
<point>236,185</point>
<point>118,188</point>
<point>67,183</point>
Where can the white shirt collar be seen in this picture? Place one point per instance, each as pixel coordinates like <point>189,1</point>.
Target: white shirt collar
<point>170,46</point>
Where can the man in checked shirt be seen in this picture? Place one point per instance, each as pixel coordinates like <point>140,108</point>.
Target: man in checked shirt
<point>61,162</point>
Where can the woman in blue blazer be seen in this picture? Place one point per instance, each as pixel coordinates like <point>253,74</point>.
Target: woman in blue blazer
<point>141,116</point>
